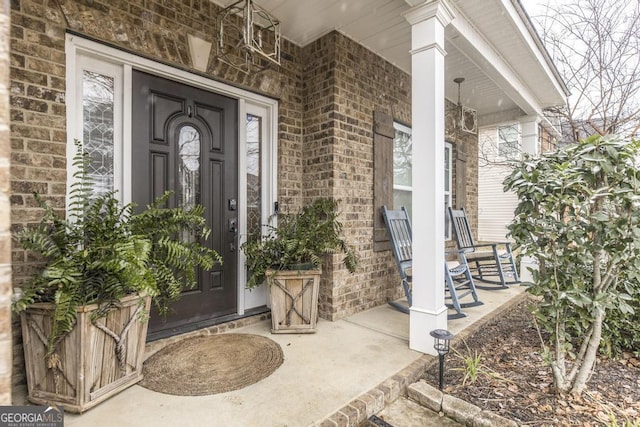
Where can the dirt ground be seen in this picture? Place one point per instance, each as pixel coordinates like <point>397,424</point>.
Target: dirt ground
<point>514,381</point>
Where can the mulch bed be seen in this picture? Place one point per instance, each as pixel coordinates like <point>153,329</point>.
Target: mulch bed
<point>516,383</point>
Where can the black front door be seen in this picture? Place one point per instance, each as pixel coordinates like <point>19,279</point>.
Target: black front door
<point>184,139</point>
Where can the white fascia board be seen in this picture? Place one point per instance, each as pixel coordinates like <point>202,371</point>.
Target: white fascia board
<point>479,51</point>
<point>523,22</point>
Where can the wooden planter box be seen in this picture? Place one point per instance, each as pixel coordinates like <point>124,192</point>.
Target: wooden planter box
<point>294,300</point>
<point>91,363</point>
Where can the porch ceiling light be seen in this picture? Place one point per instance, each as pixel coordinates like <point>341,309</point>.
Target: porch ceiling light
<point>467,118</point>
<point>248,37</point>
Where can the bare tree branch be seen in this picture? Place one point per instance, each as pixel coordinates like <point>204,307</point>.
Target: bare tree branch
<point>596,46</point>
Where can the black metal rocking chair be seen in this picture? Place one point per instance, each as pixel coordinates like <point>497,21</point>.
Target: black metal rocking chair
<point>485,260</point>
<point>458,278</point>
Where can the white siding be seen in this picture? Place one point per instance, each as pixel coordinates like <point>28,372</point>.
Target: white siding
<point>495,207</point>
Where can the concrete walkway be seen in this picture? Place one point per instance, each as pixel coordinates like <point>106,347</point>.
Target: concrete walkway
<point>347,371</point>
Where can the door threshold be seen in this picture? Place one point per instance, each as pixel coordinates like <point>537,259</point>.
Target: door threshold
<point>231,321</point>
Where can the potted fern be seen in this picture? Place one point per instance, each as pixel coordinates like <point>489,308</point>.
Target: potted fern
<point>289,258</point>
<point>84,314</point>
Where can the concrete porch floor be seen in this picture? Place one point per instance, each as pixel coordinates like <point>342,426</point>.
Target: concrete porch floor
<point>321,374</point>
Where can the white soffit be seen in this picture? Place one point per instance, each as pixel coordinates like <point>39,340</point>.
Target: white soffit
<point>379,26</point>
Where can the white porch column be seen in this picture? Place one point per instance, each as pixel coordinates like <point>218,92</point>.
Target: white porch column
<point>529,134</point>
<point>428,311</point>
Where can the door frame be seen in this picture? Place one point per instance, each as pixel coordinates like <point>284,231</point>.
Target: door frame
<point>82,53</point>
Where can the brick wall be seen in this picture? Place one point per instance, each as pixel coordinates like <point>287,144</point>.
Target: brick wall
<point>327,92</point>
<point>344,83</point>
<point>468,144</point>
<point>157,31</point>
<point>5,220</point>
<point>319,145</point>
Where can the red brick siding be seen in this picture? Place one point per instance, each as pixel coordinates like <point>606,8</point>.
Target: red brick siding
<point>5,220</point>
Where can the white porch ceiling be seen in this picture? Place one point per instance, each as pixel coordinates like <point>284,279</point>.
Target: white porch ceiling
<point>380,26</point>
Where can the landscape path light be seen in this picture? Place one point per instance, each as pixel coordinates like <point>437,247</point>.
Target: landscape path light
<point>441,341</point>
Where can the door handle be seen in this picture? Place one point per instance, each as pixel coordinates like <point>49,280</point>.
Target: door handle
<point>233,228</point>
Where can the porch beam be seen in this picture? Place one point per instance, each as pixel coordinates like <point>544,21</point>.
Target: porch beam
<point>428,311</point>
<point>493,119</point>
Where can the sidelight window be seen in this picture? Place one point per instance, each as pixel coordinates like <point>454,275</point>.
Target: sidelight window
<point>254,174</point>
<point>98,128</point>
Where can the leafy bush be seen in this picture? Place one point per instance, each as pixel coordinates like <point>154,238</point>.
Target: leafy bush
<point>174,258</point>
<point>621,328</point>
<point>579,216</point>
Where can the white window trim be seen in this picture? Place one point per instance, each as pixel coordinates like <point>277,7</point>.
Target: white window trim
<point>403,187</point>
<point>404,129</point>
<point>81,52</point>
<point>499,142</point>
<point>258,296</point>
<point>75,109</point>
<point>409,188</point>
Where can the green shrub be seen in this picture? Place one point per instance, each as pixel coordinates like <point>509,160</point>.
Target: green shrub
<point>579,216</point>
<point>621,328</point>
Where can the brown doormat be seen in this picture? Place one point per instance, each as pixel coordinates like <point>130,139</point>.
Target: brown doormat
<point>211,364</point>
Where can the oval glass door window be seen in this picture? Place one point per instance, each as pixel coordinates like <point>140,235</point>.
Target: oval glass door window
<point>189,167</point>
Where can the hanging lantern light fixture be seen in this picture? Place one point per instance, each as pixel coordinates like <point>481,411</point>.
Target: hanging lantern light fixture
<point>467,118</point>
<point>248,37</point>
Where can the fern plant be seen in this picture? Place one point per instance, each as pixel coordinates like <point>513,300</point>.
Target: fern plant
<point>176,251</point>
<point>300,239</point>
<point>103,252</point>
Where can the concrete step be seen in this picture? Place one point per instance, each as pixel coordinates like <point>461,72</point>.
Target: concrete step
<point>404,412</point>
<point>452,407</point>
